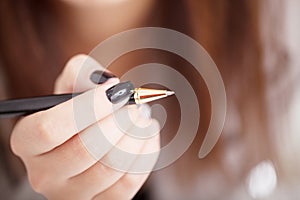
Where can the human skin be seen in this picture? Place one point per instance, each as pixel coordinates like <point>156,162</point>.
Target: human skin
<point>83,24</point>
<point>58,163</point>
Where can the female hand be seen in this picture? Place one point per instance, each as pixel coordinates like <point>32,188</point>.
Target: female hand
<point>57,153</point>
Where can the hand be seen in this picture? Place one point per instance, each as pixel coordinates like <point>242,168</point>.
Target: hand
<point>60,157</point>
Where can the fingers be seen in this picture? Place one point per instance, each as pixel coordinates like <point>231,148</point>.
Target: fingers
<point>101,176</point>
<point>116,164</point>
<point>129,184</point>
<point>51,128</point>
<point>74,156</point>
<point>103,170</point>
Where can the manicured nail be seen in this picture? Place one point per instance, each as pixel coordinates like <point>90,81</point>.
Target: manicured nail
<point>99,77</point>
<point>120,92</point>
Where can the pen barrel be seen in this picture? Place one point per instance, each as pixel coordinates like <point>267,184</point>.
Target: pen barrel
<point>25,106</point>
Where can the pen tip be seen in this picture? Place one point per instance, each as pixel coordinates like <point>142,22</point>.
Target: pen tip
<point>169,93</point>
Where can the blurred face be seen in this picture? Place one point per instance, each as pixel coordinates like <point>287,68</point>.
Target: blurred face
<point>107,3</point>
<point>90,1</point>
<point>96,17</point>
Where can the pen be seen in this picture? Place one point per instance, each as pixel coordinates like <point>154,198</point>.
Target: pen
<point>115,94</point>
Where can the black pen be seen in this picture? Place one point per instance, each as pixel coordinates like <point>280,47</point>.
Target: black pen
<point>115,94</point>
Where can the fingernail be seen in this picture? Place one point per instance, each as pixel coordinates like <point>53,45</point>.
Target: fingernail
<point>120,92</point>
<point>99,77</point>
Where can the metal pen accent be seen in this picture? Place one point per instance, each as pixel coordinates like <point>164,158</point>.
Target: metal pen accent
<point>145,95</point>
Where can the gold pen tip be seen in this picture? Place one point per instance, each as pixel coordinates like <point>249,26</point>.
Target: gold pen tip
<point>169,93</point>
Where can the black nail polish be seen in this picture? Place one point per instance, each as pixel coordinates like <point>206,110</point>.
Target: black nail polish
<point>120,92</point>
<point>99,77</point>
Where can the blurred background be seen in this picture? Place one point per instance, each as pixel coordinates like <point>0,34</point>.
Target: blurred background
<point>256,46</point>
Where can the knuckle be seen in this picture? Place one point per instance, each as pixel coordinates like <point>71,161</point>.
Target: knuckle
<point>43,131</point>
<point>74,64</point>
<point>71,70</point>
<point>28,131</point>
